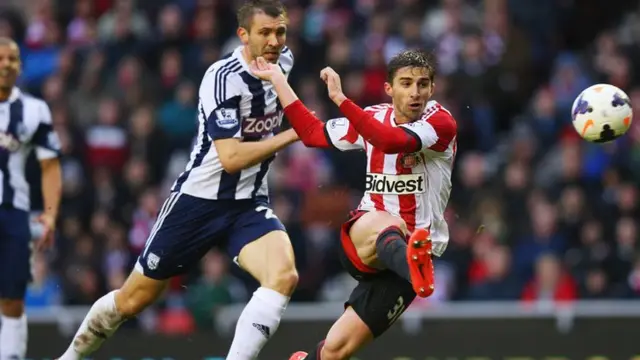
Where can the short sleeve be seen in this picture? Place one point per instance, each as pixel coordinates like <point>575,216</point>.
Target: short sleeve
<point>342,135</point>
<point>435,132</point>
<point>45,139</point>
<point>220,93</point>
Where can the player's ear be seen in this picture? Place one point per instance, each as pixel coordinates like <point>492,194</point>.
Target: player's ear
<point>243,34</point>
<point>388,89</point>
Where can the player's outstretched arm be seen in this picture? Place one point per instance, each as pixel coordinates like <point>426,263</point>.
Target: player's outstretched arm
<point>306,125</point>
<point>236,155</point>
<point>390,140</point>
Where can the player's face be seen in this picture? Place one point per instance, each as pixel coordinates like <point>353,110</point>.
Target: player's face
<point>9,65</point>
<point>411,90</point>
<point>266,37</point>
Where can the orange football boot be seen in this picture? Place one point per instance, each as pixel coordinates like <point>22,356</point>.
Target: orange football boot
<point>420,263</point>
<point>299,355</point>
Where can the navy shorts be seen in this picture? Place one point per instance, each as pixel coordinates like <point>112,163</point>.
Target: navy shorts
<point>15,253</point>
<point>188,227</point>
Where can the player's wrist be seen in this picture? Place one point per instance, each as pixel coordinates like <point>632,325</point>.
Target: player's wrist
<point>278,78</point>
<point>50,214</point>
<point>339,99</point>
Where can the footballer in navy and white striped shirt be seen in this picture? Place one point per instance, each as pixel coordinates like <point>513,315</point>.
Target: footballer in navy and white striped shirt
<point>25,124</point>
<point>221,199</point>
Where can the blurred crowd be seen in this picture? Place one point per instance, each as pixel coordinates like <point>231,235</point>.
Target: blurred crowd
<point>536,214</point>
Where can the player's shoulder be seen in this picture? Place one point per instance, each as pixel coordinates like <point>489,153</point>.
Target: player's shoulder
<point>28,99</point>
<point>286,59</point>
<point>222,79</point>
<point>33,103</point>
<point>223,69</point>
<point>436,114</point>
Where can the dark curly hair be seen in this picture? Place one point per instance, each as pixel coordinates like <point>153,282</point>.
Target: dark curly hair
<point>411,58</point>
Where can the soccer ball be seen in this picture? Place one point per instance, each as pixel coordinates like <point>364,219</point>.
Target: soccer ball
<point>601,113</point>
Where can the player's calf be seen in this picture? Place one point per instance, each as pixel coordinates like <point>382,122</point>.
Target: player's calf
<point>380,241</point>
<point>110,311</point>
<point>348,335</point>
<point>411,260</point>
<point>385,236</point>
<point>269,260</point>
<point>372,228</point>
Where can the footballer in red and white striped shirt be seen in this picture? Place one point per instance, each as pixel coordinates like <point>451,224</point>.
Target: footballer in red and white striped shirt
<point>388,241</point>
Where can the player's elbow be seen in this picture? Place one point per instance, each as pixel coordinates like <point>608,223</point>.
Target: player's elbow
<point>229,155</point>
<point>312,143</point>
<point>390,148</point>
<point>230,164</point>
<point>396,147</point>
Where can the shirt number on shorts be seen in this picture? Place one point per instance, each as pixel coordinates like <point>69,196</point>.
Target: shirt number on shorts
<point>268,213</point>
<point>397,310</point>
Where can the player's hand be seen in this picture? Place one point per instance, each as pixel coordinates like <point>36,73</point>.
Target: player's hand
<point>264,69</point>
<point>334,84</point>
<point>48,223</point>
<point>439,247</point>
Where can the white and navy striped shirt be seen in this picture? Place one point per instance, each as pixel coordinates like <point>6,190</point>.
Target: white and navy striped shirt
<point>233,104</point>
<point>25,123</point>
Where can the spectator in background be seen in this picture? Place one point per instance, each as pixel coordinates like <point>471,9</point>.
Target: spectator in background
<point>499,282</point>
<point>550,282</point>
<point>215,288</point>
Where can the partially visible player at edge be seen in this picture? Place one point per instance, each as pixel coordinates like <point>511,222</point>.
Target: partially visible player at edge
<point>25,124</point>
<point>222,196</point>
<point>410,146</point>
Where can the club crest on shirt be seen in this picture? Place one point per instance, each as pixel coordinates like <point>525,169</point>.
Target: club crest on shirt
<point>334,123</point>
<point>409,161</point>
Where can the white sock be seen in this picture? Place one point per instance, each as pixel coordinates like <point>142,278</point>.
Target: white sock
<point>100,323</point>
<point>13,338</point>
<point>257,323</point>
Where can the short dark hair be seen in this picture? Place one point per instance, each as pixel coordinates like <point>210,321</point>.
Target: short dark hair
<point>411,58</point>
<point>273,8</point>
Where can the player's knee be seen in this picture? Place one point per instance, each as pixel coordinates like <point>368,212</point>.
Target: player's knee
<point>369,226</point>
<point>283,279</point>
<point>365,232</point>
<point>12,307</point>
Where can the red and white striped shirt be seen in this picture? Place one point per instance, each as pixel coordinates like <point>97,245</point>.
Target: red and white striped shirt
<point>414,186</point>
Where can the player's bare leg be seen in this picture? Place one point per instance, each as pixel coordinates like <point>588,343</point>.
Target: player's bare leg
<point>347,335</point>
<point>13,329</point>
<point>381,242</point>
<point>269,260</point>
<point>110,311</point>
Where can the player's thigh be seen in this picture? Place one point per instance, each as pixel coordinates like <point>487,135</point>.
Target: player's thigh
<point>263,248</point>
<point>15,254</point>
<point>186,228</point>
<point>365,231</point>
<point>380,301</point>
<point>347,335</point>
